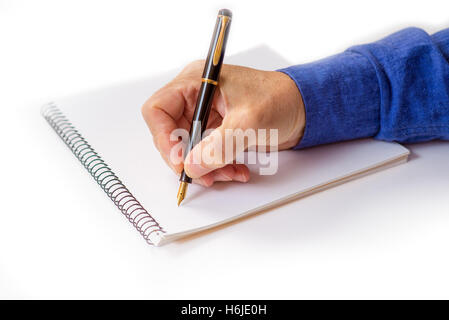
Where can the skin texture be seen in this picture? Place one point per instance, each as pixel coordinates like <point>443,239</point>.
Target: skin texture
<point>245,99</point>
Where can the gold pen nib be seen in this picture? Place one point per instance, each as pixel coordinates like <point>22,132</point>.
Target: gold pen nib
<point>182,191</point>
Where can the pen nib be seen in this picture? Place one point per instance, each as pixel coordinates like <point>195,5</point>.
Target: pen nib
<point>182,192</point>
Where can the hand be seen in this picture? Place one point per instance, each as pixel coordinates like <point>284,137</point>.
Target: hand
<point>245,99</point>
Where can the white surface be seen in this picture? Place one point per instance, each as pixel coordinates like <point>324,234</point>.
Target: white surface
<point>110,120</point>
<point>384,236</point>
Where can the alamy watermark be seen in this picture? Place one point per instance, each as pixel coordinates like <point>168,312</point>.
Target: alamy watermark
<point>250,146</point>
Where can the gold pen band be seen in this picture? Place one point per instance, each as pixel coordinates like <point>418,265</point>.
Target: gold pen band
<point>209,81</point>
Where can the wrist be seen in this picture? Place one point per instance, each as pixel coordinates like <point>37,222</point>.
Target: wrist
<point>294,110</point>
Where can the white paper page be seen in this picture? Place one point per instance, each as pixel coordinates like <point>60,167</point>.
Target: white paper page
<point>111,122</point>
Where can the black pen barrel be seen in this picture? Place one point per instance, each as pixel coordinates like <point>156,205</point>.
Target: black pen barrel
<point>199,120</point>
<point>209,82</point>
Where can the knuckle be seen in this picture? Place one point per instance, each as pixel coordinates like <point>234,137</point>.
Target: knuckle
<point>198,63</point>
<point>145,109</point>
<point>194,66</point>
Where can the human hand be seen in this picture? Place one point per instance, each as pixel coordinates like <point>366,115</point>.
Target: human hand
<point>245,99</point>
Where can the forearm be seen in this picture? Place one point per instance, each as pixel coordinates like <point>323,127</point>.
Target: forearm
<point>395,89</point>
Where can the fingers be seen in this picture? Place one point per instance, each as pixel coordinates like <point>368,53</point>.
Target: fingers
<point>196,165</point>
<point>230,172</point>
<point>213,159</point>
<point>162,113</point>
<point>215,151</point>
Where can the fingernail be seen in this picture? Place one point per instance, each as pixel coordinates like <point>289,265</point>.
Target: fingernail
<point>242,177</point>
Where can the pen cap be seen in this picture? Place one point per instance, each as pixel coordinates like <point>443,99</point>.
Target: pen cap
<point>218,45</point>
<point>225,12</point>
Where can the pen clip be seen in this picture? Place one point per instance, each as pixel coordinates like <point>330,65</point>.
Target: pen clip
<point>219,45</point>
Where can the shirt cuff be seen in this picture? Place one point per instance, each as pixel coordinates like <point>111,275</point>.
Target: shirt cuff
<point>341,97</point>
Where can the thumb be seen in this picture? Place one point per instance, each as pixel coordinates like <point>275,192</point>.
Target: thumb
<point>207,155</point>
<point>215,151</point>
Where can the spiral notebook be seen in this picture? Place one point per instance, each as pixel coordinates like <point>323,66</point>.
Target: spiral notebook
<point>105,131</point>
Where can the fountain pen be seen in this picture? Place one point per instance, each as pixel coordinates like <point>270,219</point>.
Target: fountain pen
<point>209,83</point>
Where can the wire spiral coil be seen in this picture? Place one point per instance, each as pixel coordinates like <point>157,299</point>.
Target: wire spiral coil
<point>103,175</point>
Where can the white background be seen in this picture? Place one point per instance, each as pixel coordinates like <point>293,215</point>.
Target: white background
<point>384,236</point>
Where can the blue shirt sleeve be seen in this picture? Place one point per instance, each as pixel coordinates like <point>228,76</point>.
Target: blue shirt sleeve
<point>395,89</point>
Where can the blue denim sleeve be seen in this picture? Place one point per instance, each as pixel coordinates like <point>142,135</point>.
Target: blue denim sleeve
<point>395,89</point>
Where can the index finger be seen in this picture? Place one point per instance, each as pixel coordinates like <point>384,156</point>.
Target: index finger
<point>161,113</point>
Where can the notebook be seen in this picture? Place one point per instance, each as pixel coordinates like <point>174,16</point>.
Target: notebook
<point>105,131</point>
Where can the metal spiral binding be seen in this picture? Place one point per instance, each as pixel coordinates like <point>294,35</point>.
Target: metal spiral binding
<point>103,175</point>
